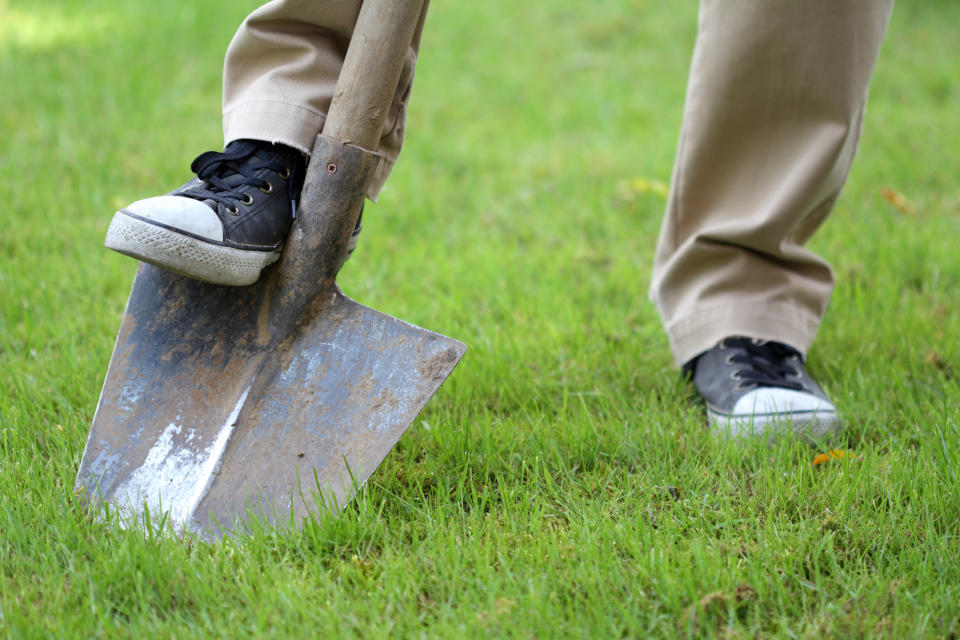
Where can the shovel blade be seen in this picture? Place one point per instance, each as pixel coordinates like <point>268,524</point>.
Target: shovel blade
<point>209,416</point>
<point>323,415</point>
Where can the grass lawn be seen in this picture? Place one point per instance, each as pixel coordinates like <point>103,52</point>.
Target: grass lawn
<point>563,481</point>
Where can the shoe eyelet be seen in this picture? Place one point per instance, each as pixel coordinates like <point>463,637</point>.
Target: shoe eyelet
<point>735,375</point>
<point>247,199</point>
<point>285,174</point>
<point>740,386</point>
<point>268,188</point>
<point>798,374</point>
<point>722,345</point>
<point>234,211</point>
<point>729,359</point>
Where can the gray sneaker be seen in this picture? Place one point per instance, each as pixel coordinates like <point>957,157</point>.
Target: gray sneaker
<point>755,388</point>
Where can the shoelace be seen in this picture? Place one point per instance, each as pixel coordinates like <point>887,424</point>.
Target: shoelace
<point>227,174</point>
<point>767,363</point>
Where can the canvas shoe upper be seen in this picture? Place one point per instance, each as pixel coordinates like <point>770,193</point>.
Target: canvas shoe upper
<point>756,387</point>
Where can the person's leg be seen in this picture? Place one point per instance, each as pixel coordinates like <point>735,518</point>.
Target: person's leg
<point>773,112</point>
<point>281,69</point>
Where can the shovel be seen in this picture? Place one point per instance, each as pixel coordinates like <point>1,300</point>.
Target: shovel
<point>224,404</point>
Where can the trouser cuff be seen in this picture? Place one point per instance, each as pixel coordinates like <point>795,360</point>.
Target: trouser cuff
<point>692,335</point>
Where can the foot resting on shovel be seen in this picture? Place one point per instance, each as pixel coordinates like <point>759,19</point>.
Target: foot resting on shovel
<point>224,226</point>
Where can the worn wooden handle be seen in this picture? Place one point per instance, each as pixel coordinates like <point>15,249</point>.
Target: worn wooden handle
<point>371,71</point>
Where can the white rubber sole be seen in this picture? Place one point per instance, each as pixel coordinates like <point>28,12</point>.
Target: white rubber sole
<point>185,255</point>
<point>815,425</point>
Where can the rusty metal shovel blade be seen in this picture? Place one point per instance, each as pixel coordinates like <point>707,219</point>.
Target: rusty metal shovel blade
<point>207,421</point>
<point>226,403</point>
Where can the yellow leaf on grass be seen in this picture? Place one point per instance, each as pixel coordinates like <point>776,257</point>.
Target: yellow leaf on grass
<point>649,185</point>
<point>629,191</point>
<point>831,455</point>
<point>899,201</point>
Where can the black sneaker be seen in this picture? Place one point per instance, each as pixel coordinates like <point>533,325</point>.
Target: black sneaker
<point>224,226</point>
<point>755,387</point>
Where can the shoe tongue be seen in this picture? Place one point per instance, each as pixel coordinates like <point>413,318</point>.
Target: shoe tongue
<point>234,179</point>
<point>767,363</point>
<point>240,153</point>
<point>242,148</point>
<point>768,349</point>
<point>248,150</point>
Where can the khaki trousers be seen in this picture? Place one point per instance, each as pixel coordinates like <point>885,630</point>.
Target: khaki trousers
<point>774,106</point>
<point>281,69</point>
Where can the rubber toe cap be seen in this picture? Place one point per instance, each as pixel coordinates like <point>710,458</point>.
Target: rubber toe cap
<point>179,213</point>
<point>769,411</point>
<point>784,403</point>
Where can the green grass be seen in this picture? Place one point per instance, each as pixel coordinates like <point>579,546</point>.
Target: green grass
<point>563,481</point>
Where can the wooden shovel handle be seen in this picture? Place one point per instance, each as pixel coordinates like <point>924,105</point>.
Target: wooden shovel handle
<point>371,71</point>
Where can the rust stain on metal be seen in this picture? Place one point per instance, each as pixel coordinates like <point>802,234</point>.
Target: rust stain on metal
<point>438,366</point>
